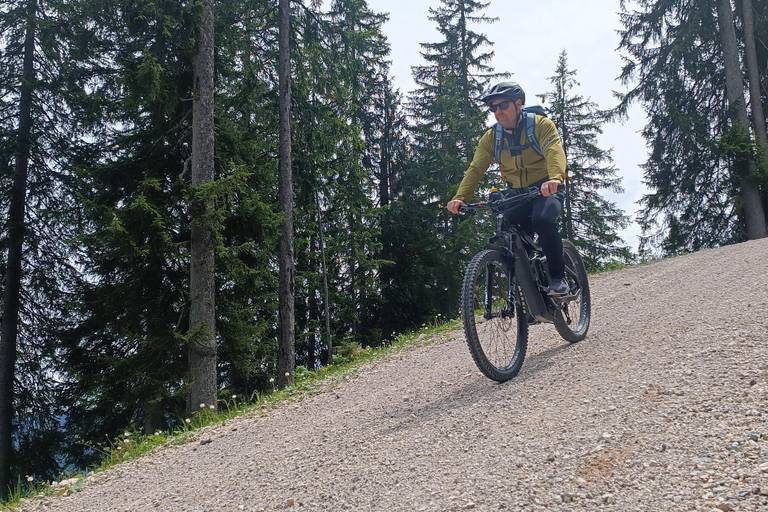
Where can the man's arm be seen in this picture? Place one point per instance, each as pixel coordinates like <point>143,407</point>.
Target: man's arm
<point>480,163</point>
<point>552,147</point>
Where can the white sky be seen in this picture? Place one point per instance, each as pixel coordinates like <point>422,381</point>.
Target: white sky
<point>529,37</point>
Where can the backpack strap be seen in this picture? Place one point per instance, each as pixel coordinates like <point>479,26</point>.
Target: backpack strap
<point>498,131</point>
<point>530,120</point>
<point>499,146</point>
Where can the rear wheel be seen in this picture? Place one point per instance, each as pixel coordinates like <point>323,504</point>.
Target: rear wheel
<point>572,315</point>
<point>494,324</point>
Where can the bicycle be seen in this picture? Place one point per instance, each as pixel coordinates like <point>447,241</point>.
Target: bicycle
<point>507,281</point>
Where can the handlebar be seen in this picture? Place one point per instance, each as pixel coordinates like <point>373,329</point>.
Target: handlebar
<point>506,202</point>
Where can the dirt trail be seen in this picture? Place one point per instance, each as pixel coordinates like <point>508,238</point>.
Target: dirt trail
<point>663,407</point>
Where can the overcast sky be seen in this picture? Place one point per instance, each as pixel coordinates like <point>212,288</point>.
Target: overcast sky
<point>529,37</point>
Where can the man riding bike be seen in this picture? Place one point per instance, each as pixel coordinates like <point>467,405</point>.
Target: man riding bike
<point>521,167</point>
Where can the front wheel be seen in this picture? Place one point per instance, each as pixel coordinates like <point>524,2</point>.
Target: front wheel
<point>494,323</point>
<point>572,315</point>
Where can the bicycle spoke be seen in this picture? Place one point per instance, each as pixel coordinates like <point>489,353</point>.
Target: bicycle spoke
<point>496,337</point>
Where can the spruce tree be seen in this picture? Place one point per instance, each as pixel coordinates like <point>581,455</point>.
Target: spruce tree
<point>591,222</point>
<point>745,165</point>
<point>675,66</point>
<point>345,53</point>
<point>47,71</point>
<point>127,355</point>
<point>448,119</point>
<point>286,359</point>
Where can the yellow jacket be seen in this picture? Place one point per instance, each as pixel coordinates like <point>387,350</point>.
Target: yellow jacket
<point>522,170</point>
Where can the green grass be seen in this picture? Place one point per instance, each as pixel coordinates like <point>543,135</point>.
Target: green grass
<point>132,445</point>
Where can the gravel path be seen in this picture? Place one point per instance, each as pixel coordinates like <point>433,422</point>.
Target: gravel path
<point>663,407</point>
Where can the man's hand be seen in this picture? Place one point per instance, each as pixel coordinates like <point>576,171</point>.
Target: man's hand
<point>454,205</point>
<point>547,188</point>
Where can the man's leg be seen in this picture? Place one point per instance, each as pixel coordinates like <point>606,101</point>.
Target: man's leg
<point>544,216</point>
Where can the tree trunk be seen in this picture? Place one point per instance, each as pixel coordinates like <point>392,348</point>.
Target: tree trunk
<point>326,294</point>
<point>314,306</point>
<point>153,416</point>
<point>753,73</point>
<point>202,323</point>
<point>754,215</point>
<point>16,235</point>
<point>286,358</point>
<point>563,124</point>
<point>384,159</point>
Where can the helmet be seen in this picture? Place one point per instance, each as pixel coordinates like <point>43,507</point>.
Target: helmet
<point>510,90</point>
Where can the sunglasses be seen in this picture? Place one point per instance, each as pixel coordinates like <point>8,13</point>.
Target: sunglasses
<point>504,105</point>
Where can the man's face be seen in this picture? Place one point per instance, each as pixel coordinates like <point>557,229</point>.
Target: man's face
<point>506,111</point>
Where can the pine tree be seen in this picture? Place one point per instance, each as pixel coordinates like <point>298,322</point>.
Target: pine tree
<point>344,50</point>
<point>591,221</point>
<point>202,324</point>
<point>286,360</point>
<point>246,147</point>
<point>675,63</point>
<point>448,119</point>
<point>745,167</point>
<point>127,354</point>
<point>46,73</point>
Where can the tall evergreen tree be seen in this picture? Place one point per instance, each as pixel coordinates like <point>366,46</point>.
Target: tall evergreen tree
<point>755,89</point>
<point>16,222</point>
<point>448,119</point>
<point>393,150</point>
<point>246,185</point>
<point>745,170</point>
<point>46,71</point>
<point>287,343</point>
<point>127,355</point>
<point>591,221</point>
<point>202,324</point>
<point>345,52</point>
<point>675,63</point>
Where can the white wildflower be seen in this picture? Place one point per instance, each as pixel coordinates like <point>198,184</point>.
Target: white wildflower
<point>30,479</point>
<point>202,406</point>
<point>188,420</point>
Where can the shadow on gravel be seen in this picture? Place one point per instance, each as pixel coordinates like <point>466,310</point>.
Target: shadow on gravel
<point>536,363</point>
<point>460,395</point>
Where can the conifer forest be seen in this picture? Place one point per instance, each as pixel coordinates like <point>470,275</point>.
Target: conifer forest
<point>199,197</point>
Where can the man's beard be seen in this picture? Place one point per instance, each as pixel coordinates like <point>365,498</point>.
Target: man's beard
<point>513,124</point>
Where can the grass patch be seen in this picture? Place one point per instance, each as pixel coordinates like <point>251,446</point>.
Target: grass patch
<point>133,445</point>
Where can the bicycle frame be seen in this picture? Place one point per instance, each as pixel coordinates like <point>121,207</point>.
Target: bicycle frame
<point>516,247</point>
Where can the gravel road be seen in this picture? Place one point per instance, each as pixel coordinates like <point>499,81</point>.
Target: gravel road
<point>663,407</point>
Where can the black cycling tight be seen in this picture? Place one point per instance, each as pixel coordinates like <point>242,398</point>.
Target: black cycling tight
<point>540,216</point>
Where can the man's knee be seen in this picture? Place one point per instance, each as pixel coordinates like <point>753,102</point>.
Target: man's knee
<point>542,221</point>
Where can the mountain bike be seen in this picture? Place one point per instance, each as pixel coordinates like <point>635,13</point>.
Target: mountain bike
<point>506,287</point>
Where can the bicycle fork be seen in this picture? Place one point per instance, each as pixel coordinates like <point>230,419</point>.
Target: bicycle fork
<point>506,312</point>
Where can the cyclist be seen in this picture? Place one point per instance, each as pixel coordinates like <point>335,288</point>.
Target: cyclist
<point>521,167</point>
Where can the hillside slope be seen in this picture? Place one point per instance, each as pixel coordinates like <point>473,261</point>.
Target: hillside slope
<point>663,407</point>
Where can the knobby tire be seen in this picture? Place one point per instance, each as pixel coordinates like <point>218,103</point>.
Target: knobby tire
<point>497,336</point>
<point>579,311</point>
